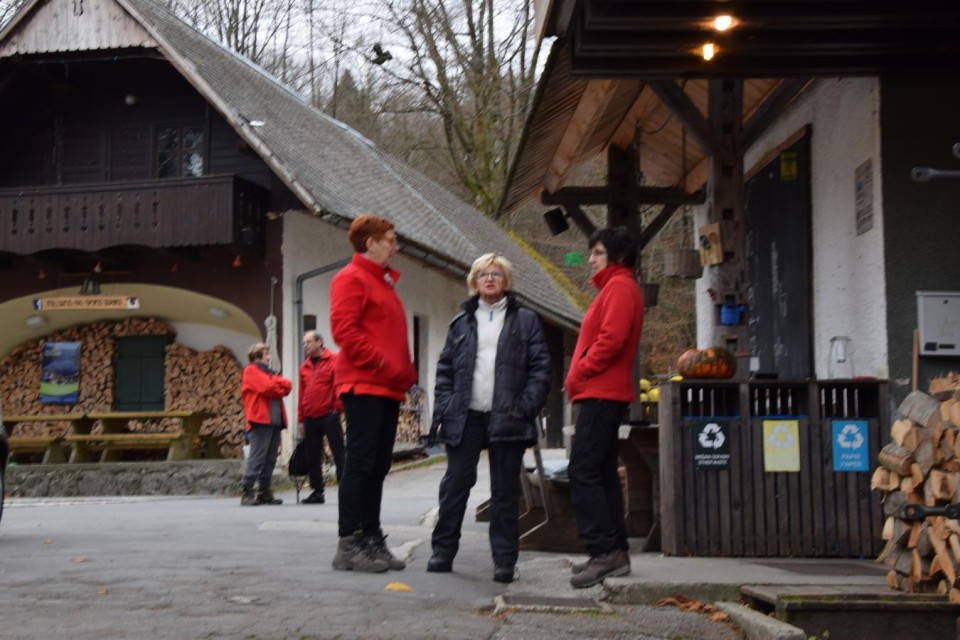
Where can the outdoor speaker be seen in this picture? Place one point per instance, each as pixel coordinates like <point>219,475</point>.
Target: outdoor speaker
<point>556,220</point>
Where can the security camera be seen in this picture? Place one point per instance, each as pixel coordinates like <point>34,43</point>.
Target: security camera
<point>956,150</point>
<point>921,174</point>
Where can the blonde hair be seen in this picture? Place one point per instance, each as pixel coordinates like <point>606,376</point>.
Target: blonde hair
<point>256,351</point>
<point>485,261</point>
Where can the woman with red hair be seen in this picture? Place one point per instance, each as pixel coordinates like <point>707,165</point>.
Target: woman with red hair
<point>373,372</point>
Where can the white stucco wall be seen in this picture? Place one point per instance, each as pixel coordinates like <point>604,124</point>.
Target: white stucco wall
<point>848,270</point>
<point>309,243</point>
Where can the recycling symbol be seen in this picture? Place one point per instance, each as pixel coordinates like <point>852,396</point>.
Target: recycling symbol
<point>712,436</point>
<point>781,437</point>
<point>850,437</point>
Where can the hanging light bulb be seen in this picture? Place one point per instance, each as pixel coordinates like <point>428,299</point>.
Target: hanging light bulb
<point>709,50</point>
<point>722,23</point>
<point>41,275</point>
<point>237,262</point>
<point>175,267</point>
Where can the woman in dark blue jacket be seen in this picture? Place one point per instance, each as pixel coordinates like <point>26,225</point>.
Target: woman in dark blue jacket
<point>492,381</point>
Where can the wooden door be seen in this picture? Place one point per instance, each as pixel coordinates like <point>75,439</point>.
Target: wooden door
<point>777,200</point>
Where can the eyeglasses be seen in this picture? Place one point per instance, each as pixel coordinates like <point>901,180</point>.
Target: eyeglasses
<point>495,275</point>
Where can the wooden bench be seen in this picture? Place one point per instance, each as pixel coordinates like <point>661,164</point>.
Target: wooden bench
<point>184,444</point>
<point>50,446</point>
<point>549,523</point>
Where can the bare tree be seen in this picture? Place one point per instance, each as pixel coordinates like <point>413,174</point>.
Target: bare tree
<point>471,66</point>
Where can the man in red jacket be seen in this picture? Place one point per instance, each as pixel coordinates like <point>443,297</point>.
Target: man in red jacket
<point>318,411</point>
<point>262,390</point>
<point>600,383</point>
<point>373,372</point>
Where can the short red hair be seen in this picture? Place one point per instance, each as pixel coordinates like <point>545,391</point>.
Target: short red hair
<point>367,226</point>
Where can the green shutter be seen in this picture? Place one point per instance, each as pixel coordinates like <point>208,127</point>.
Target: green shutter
<point>139,373</point>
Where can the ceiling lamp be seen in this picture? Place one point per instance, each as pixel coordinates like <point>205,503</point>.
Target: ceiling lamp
<point>709,50</point>
<point>722,23</point>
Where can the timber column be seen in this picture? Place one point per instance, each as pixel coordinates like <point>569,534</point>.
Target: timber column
<point>720,234</point>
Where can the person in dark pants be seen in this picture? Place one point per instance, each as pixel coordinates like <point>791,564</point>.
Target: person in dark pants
<point>318,411</point>
<point>492,380</point>
<point>373,372</point>
<point>262,390</point>
<point>600,383</point>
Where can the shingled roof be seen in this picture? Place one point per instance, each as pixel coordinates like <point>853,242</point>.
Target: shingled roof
<point>336,172</point>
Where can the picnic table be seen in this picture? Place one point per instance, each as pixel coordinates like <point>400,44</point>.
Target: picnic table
<point>115,438</point>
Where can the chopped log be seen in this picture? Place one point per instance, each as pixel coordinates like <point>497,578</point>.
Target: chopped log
<point>880,479</point>
<point>917,475</point>
<point>896,458</point>
<point>902,563</point>
<point>888,525</point>
<point>920,408</point>
<point>905,433</point>
<point>924,546</point>
<point>919,567</point>
<point>893,501</point>
<point>884,554</point>
<point>914,536</point>
<point>923,456</point>
<point>955,413</point>
<point>943,485</point>
<point>907,484</point>
<point>901,531</point>
<point>893,580</point>
<point>954,596</point>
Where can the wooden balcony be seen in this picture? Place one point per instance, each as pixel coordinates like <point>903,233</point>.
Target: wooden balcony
<point>210,210</point>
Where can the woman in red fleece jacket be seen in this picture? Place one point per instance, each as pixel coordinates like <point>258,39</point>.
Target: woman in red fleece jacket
<point>600,382</point>
<point>262,390</point>
<point>373,371</point>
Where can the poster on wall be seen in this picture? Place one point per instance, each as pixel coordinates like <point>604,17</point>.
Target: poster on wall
<point>781,445</point>
<point>851,445</point>
<point>711,444</point>
<point>60,374</point>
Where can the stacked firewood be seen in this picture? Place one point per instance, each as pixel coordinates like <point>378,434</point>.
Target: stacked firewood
<point>20,370</point>
<point>921,466</point>
<point>207,381</point>
<point>413,416</point>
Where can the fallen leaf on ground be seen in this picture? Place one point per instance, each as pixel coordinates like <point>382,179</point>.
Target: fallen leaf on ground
<point>397,586</point>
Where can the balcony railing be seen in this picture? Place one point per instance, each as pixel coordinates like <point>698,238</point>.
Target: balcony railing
<point>159,213</point>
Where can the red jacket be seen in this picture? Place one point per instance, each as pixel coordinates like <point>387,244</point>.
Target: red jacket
<point>257,389</point>
<point>369,325</point>
<point>602,365</point>
<point>317,397</point>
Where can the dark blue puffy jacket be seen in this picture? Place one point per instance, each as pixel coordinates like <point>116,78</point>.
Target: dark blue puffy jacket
<point>522,375</point>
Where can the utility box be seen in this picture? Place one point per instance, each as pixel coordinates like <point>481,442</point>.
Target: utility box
<point>938,322</point>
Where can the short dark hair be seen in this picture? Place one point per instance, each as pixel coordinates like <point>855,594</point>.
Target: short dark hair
<point>620,245</point>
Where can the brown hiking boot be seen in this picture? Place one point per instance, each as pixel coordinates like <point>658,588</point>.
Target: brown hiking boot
<point>614,563</point>
<point>353,554</point>
<point>248,499</point>
<point>377,544</point>
<point>578,567</point>
<point>267,497</point>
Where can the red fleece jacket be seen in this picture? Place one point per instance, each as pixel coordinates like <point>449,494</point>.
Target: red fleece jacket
<point>602,366</point>
<point>317,397</point>
<point>369,325</point>
<point>257,389</point>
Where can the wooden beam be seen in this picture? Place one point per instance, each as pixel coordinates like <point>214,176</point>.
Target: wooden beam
<point>579,196</point>
<point>580,219</point>
<point>658,223</point>
<point>686,112</point>
<point>772,106</point>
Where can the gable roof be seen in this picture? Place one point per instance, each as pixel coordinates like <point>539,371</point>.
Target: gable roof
<point>336,172</point>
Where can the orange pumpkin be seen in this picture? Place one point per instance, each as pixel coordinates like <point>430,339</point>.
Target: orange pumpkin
<point>715,362</point>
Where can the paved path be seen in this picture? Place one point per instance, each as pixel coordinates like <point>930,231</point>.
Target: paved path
<point>205,568</point>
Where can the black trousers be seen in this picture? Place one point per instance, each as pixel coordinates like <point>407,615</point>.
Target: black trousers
<point>314,431</point>
<point>371,430</point>
<point>506,463</point>
<point>594,482</point>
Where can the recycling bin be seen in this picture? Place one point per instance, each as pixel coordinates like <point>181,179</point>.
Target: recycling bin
<point>771,468</point>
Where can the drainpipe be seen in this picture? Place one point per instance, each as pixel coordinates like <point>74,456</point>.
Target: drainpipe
<point>298,297</point>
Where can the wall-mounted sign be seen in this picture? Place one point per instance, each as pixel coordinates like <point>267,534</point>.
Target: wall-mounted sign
<point>851,445</point>
<point>781,445</point>
<point>60,373</point>
<point>73,303</point>
<point>711,444</point>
